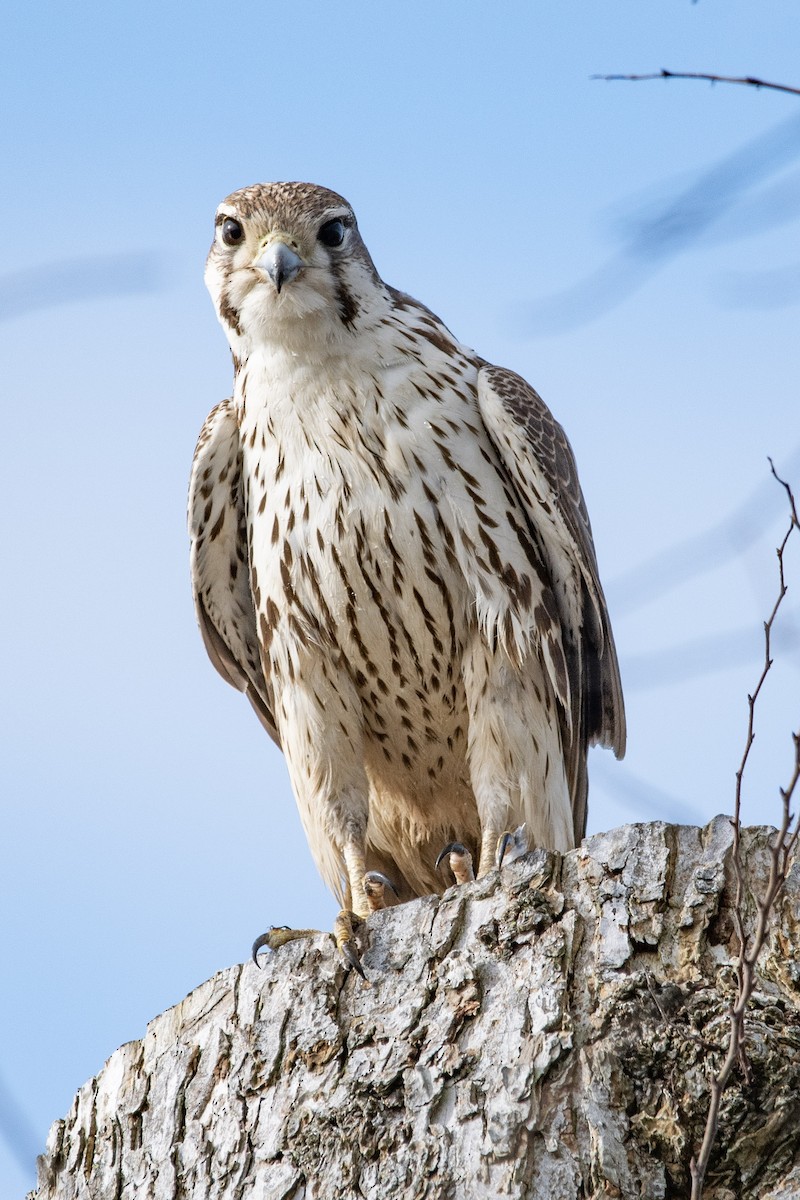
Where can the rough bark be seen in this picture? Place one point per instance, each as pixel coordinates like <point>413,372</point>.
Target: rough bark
<point>545,1032</point>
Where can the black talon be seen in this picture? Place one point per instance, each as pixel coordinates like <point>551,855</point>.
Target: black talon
<point>514,841</point>
<point>378,877</point>
<point>269,940</point>
<point>264,939</point>
<point>505,841</point>
<point>460,862</point>
<point>375,885</point>
<point>451,848</point>
<point>345,929</point>
<point>351,955</point>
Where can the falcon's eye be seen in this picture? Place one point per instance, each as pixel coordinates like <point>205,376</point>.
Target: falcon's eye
<point>232,232</point>
<point>332,233</point>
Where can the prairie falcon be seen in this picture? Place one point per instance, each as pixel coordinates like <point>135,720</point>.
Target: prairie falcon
<point>391,557</point>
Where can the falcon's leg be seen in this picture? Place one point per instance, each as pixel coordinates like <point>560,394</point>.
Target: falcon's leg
<point>319,721</point>
<point>346,928</point>
<point>353,854</point>
<point>515,757</point>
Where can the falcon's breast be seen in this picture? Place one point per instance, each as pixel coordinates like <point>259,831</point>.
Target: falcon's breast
<point>384,530</point>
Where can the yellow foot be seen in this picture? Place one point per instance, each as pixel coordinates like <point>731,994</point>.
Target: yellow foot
<point>277,936</point>
<point>460,862</point>
<point>346,928</point>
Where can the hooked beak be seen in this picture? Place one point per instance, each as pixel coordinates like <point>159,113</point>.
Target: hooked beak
<point>280,262</point>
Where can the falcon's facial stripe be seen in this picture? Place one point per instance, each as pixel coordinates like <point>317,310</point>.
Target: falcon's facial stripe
<point>346,301</point>
<point>229,313</point>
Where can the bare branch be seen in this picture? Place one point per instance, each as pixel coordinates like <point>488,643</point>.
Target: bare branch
<point>748,80</point>
<point>780,865</point>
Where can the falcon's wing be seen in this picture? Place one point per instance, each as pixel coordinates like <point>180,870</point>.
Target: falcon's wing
<point>219,561</point>
<point>539,459</point>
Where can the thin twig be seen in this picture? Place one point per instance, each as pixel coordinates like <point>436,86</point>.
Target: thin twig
<point>748,80</point>
<point>780,864</point>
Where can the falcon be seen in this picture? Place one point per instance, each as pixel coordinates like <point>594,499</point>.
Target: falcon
<point>391,557</point>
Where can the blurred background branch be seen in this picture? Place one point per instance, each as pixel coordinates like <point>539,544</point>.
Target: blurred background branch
<point>700,553</point>
<point>16,1129</point>
<point>75,279</point>
<point>672,227</point>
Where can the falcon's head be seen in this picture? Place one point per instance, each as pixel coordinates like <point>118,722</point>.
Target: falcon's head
<point>285,253</point>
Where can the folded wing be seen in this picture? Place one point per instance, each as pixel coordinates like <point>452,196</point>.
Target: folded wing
<point>219,561</point>
<point>540,462</point>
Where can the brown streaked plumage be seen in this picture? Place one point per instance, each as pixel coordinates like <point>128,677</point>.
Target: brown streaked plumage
<point>392,558</point>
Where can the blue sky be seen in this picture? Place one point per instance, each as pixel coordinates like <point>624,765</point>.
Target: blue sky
<point>150,832</point>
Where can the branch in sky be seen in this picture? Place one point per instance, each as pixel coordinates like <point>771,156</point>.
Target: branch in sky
<point>749,80</point>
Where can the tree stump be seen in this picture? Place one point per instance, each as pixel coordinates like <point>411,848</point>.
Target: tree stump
<point>545,1032</point>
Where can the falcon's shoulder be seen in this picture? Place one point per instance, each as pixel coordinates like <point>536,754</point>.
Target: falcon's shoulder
<point>538,457</point>
<point>219,561</point>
